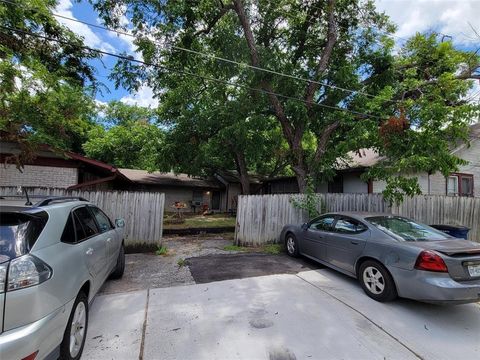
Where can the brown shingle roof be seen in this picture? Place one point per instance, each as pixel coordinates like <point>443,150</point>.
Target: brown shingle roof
<point>168,179</point>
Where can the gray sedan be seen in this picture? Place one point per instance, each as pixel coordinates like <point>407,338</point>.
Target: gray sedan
<point>391,256</point>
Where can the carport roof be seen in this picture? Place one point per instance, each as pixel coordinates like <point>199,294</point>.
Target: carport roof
<point>168,179</point>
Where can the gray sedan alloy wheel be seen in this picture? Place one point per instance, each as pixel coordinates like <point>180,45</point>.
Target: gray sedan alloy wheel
<point>291,245</point>
<point>376,281</point>
<point>373,280</point>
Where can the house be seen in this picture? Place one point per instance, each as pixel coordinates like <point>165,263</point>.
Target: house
<point>73,171</point>
<point>348,175</point>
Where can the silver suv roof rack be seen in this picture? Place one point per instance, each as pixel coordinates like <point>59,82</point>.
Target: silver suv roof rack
<point>51,199</point>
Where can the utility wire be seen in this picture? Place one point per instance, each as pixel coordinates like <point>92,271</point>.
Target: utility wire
<point>218,58</point>
<point>183,72</point>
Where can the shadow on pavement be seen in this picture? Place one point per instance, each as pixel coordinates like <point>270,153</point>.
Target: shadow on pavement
<point>205,269</point>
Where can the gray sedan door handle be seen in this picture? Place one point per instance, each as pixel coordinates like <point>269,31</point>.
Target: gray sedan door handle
<point>89,251</point>
<point>354,242</point>
<point>109,239</point>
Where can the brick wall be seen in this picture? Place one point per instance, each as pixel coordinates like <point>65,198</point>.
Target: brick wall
<point>33,175</point>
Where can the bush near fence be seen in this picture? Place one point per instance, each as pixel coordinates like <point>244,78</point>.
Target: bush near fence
<point>260,218</point>
<point>142,211</point>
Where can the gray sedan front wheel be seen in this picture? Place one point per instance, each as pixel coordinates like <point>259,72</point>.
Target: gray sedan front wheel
<point>376,281</point>
<point>291,245</point>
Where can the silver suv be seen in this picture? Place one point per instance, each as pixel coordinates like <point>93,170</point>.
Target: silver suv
<point>54,257</point>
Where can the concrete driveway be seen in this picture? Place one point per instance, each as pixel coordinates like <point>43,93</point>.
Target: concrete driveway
<point>316,314</point>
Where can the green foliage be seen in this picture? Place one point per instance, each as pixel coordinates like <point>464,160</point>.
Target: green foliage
<point>181,263</point>
<point>310,201</point>
<point>273,249</point>
<point>132,142</point>
<point>43,85</point>
<point>161,250</point>
<point>425,81</point>
<point>234,248</point>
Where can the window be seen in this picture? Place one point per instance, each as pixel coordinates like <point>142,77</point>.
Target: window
<point>460,185</point>
<point>102,220</point>
<point>84,223</point>
<point>323,224</point>
<point>406,229</point>
<point>197,197</point>
<point>349,226</point>
<point>19,232</point>
<point>68,235</point>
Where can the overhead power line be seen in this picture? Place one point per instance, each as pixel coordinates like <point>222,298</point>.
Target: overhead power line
<point>218,58</point>
<point>188,73</point>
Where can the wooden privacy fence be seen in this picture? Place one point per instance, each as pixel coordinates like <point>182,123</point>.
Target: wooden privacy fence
<point>260,218</point>
<point>142,211</point>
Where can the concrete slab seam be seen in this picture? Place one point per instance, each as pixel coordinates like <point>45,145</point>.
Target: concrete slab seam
<point>365,317</point>
<point>144,327</point>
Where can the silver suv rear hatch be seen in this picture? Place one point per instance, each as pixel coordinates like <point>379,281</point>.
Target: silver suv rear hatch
<point>20,228</point>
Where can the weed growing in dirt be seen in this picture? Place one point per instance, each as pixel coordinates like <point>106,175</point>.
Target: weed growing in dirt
<point>181,262</point>
<point>273,249</point>
<point>234,248</point>
<point>161,250</point>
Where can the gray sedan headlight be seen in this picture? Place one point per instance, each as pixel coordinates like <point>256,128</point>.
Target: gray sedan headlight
<point>26,271</point>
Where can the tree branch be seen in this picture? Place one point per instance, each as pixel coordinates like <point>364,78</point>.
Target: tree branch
<point>326,54</point>
<point>223,10</point>
<point>322,141</point>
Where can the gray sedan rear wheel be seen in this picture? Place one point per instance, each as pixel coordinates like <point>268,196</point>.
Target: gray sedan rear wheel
<point>291,245</point>
<point>376,281</point>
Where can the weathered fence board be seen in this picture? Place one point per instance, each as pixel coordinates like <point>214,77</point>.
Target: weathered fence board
<point>142,211</point>
<point>260,218</point>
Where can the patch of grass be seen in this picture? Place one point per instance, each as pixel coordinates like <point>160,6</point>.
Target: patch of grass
<point>272,249</point>
<point>181,262</point>
<point>201,221</point>
<point>161,250</point>
<point>234,248</point>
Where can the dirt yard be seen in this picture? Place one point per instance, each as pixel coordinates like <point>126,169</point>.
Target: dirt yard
<point>199,259</point>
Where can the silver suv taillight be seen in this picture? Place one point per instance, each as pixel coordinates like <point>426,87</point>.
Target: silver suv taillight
<point>26,271</point>
<point>3,276</point>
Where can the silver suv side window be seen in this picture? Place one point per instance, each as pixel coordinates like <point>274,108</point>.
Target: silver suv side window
<point>85,226</point>
<point>102,220</point>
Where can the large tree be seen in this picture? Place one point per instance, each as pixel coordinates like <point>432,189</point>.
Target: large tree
<point>344,80</point>
<point>129,137</point>
<point>46,81</point>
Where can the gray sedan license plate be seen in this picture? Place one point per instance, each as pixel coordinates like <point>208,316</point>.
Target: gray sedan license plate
<point>474,270</point>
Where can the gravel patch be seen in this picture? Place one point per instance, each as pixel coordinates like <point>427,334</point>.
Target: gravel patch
<point>143,271</point>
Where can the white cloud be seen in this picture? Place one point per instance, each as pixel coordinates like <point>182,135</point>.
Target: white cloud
<point>143,97</point>
<point>450,17</point>
<point>64,8</point>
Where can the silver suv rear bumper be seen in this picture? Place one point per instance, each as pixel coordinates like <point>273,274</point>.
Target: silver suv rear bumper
<point>43,335</point>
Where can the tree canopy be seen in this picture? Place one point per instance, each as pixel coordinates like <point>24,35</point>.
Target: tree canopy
<point>46,82</point>
<point>129,138</point>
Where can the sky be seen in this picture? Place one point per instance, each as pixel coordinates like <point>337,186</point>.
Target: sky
<point>450,17</point>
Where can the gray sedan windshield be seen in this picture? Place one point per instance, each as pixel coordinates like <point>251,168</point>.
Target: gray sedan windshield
<point>406,229</point>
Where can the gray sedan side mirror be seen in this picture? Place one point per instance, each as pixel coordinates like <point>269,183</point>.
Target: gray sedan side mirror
<point>120,223</point>
<point>304,226</point>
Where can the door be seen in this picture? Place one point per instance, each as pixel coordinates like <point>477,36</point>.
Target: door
<point>108,235</point>
<point>91,244</point>
<point>216,200</point>
<point>315,237</point>
<point>346,243</point>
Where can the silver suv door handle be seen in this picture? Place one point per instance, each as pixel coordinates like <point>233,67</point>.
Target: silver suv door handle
<point>109,239</point>
<point>89,251</point>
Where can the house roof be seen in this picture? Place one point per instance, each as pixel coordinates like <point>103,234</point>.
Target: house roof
<point>231,176</point>
<point>168,179</point>
<point>362,158</point>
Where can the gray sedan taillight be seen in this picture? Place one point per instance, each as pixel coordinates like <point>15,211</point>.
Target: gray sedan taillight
<point>26,271</point>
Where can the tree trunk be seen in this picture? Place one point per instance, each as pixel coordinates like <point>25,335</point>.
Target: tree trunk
<point>242,172</point>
